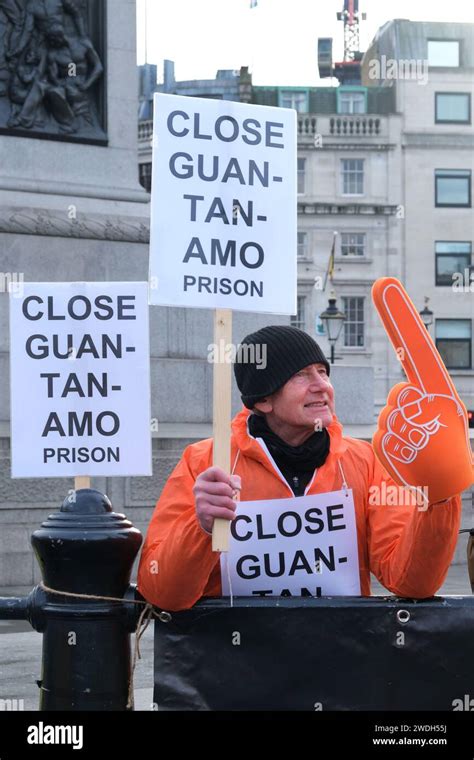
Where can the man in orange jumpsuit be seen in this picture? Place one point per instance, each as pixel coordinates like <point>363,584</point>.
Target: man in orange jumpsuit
<point>286,442</point>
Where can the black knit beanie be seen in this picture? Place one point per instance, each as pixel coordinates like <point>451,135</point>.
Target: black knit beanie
<point>285,350</point>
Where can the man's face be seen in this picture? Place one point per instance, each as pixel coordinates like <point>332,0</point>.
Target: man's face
<point>305,401</point>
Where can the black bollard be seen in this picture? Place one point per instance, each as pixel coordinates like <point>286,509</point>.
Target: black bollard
<point>85,548</point>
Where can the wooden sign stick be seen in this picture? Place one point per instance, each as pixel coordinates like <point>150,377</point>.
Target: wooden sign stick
<point>82,481</point>
<point>221,394</point>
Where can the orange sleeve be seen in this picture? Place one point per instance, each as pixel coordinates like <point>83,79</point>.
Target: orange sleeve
<point>410,547</point>
<point>177,558</point>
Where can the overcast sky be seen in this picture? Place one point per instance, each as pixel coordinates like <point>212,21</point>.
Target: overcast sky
<point>277,39</point>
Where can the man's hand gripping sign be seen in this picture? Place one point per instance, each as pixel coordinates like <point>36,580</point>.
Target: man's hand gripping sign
<point>423,434</point>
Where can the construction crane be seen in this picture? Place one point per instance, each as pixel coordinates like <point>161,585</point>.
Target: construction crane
<point>351,18</point>
<point>347,70</point>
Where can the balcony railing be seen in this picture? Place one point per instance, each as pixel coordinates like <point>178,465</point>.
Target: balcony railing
<point>354,125</point>
<point>333,125</point>
<point>145,129</point>
<point>307,124</point>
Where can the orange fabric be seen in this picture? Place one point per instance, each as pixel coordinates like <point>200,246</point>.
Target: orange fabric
<point>407,549</point>
<point>425,421</point>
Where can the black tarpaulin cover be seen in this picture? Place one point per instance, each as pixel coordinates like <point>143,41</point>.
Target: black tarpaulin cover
<point>339,653</point>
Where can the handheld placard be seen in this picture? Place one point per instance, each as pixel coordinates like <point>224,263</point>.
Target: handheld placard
<point>223,225</point>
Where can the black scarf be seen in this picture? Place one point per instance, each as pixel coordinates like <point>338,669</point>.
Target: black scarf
<point>297,463</point>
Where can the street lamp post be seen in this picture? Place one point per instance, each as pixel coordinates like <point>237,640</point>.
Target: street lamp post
<point>426,314</point>
<point>333,320</point>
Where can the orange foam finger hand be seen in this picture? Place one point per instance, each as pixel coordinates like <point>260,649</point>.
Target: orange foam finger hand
<point>422,438</point>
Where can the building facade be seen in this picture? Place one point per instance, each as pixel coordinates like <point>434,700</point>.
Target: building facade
<point>430,67</point>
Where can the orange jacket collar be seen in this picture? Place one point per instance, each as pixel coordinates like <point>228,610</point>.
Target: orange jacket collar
<point>250,448</point>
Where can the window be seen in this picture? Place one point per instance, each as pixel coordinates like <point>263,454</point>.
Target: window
<point>453,341</point>
<point>352,176</point>
<point>353,307</point>
<point>302,245</point>
<point>144,176</point>
<point>301,175</point>
<point>351,102</point>
<point>451,257</point>
<point>352,244</point>
<point>452,108</point>
<point>453,187</point>
<point>443,53</point>
<point>299,319</point>
<point>295,99</point>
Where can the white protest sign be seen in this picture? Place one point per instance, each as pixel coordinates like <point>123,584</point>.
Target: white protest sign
<point>80,380</point>
<point>223,207</point>
<point>305,546</point>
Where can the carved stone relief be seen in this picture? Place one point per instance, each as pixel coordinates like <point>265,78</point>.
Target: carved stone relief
<point>52,69</point>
